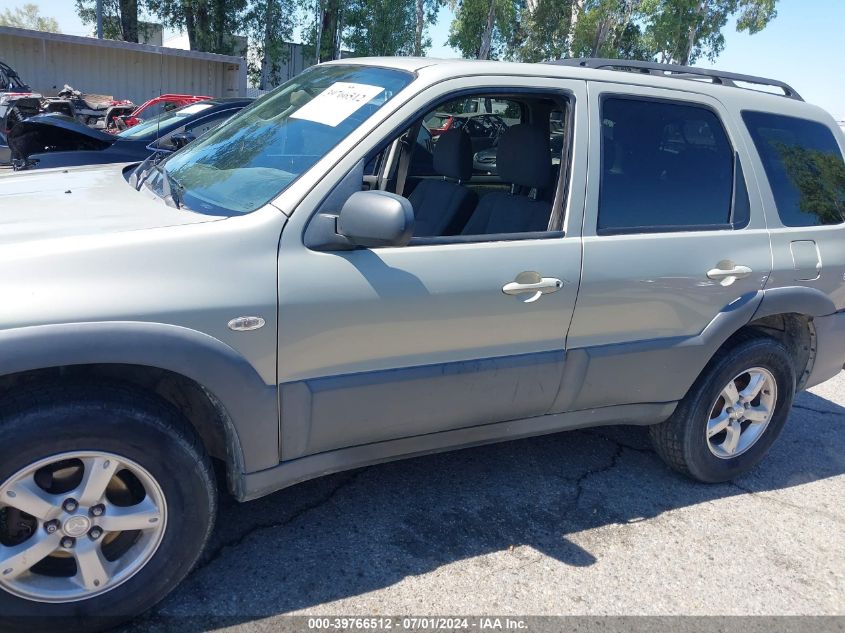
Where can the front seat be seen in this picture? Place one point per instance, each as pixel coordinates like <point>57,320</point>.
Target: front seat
<point>523,159</point>
<point>442,207</point>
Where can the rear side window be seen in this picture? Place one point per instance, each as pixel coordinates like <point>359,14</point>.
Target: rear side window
<point>804,166</point>
<point>665,166</point>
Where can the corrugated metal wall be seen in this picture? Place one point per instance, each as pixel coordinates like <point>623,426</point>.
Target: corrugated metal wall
<point>138,72</point>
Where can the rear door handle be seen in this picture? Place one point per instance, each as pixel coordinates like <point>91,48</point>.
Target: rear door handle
<point>537,289</point>
<point>726,276</point>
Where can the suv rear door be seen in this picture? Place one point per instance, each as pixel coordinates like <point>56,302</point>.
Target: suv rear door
<point>675,241</point>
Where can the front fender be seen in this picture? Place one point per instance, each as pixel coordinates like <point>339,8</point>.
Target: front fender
<point>253,426</point>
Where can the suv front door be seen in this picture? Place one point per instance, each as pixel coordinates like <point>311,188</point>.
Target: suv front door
<point>675,243</point>
<point>387,343</point>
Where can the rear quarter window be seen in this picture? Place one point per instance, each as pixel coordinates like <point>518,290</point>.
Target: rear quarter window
<point>804,166</point>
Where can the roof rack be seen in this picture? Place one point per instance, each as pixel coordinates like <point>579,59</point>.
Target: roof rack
<point>679,72</point>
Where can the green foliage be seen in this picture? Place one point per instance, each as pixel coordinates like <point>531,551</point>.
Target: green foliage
<point>671,31</point>
<point>543,32</point>
<point>485,29</point>
<point>211,24</point>
<point>380,27</point>
<point>120,18</point>
<point>820,179</point>
<point>28,17</point>
<point>683,31</point>
<point>269,25</point>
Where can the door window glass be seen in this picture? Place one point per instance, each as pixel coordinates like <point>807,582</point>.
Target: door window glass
<point>664,166</point>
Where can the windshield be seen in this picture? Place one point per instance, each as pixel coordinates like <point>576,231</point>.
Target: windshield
<point>150,127</point>
<point>259,152</point>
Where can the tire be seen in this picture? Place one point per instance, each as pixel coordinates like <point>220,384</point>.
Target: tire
<point>689,442</point>
<point>13,117</point>
<point>155,448</point>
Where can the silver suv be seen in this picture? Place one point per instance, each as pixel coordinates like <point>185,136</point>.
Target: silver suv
<point>321,284</point>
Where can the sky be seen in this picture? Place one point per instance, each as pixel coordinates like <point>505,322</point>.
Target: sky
<point>804,46</point>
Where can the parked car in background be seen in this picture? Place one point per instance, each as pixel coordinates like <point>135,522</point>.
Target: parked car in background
<point>153,108</point>
<point>287,297</point>
<point>54,140</point>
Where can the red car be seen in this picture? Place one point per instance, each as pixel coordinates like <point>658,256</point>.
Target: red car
<point>153,108</point>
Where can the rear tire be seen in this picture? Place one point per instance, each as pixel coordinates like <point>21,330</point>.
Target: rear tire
<point>55,439</point>
<point>719,431</point>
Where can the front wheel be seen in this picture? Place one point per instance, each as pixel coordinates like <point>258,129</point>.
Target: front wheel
<point>106,502</point>
<point>732,414</point>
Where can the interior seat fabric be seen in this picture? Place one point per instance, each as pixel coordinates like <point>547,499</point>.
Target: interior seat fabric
<point>524,160</point>
<point>442,207</point>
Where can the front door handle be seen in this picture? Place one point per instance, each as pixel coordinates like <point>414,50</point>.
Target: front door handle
<point>726,276</point>
<point>532,283</point>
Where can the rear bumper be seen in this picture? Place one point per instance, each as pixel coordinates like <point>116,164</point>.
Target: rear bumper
<point>830,348</point>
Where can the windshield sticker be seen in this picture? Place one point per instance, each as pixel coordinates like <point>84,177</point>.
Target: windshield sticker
<point>194,108</point>
<point>336,103</point>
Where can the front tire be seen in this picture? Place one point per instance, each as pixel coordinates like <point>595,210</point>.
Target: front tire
<point>732,414</point>
<point>107,500</point>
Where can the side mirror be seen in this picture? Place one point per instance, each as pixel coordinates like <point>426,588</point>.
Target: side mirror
<point>181,139</point>
<point>376,218</point>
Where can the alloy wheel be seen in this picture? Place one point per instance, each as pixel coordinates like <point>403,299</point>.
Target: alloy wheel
<point>77,525</point>
<point>741,413</point>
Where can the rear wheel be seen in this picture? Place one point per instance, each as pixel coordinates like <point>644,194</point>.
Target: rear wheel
<point>106,502</point>
<point>732,414</point>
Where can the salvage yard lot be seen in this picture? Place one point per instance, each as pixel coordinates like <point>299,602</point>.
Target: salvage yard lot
<point>586,522</point>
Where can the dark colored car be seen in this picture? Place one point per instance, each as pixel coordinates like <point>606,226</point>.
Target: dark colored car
<point>5,152</point>
<point>55,140</point>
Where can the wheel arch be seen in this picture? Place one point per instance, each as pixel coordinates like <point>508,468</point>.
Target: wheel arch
<point>787,314</point>
<point>217,389</point>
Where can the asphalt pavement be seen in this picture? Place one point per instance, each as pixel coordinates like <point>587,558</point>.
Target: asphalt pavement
<point>580,523</point>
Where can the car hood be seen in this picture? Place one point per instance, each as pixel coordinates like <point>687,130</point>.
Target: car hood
<point>58,203</point>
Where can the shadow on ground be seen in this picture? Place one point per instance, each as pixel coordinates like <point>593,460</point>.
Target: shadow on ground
<point>348,534</point>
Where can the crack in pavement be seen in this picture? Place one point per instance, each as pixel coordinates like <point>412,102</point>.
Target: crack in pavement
<point>591,472</point>
<point>218,551</point>
<point>597,433</point>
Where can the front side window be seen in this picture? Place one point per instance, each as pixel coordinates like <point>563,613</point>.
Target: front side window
<point>259,152</point>
<point>804,166</point>
<point>665,166</point>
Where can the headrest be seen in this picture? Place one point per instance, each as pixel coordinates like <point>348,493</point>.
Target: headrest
<point>524,157</point>
<point>453,155</point>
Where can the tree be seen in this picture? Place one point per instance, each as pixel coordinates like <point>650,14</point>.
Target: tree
<point>484,29</point>
<point>683,31</point>
<point>543,31</point>
<point>322,30</point>
<point>425,14</point>
<point>28,17</point>
<point>670,31</point>
<point>380,27</point>
<point>609,28</point>
<point>210,24</point>
<point>120,18</point>
<point>270,26</point>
